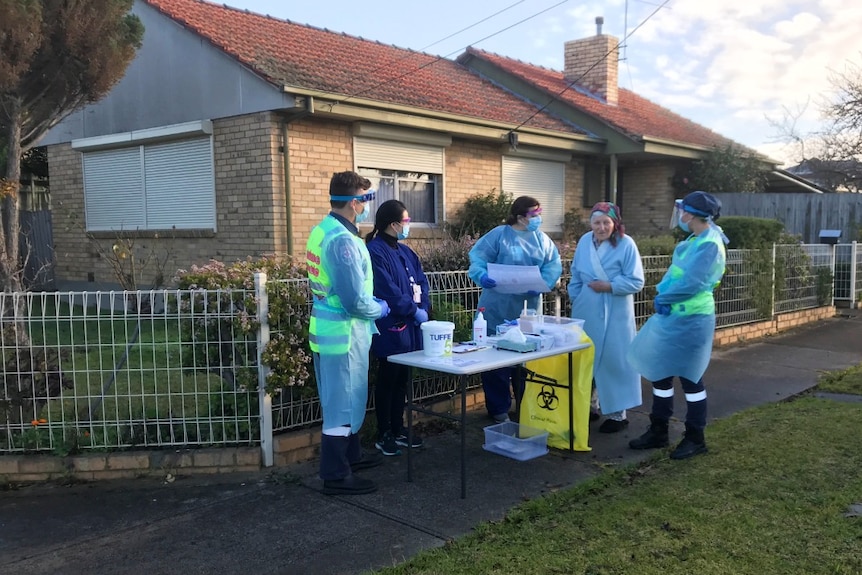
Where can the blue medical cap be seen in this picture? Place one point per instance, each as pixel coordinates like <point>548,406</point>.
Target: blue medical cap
<point>702,204</point>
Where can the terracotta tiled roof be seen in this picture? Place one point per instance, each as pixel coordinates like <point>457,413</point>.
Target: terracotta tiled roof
<point>301,56</point>
<point>633,115</point>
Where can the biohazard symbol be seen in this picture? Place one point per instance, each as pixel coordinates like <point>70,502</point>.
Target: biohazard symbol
<point>547,398</point>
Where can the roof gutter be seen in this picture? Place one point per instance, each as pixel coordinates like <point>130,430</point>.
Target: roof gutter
<point>465,126</point>
<point>797,182</point>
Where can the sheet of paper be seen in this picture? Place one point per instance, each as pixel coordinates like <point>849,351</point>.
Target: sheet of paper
<point>517,279</point>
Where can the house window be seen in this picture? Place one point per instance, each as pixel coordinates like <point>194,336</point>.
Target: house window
<point>540,179</point>
<point>414,190</point>
<point>411,173</point>
<point>165,182</point>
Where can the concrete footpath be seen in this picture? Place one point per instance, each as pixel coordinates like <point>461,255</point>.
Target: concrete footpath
<point>276,521</point>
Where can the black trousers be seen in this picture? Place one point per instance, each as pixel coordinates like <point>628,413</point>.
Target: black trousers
<point>390,396</point>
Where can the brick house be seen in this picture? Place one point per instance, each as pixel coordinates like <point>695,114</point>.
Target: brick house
<point>220,140</point>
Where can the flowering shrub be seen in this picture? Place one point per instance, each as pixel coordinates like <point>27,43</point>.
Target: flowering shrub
<point>223,331</point>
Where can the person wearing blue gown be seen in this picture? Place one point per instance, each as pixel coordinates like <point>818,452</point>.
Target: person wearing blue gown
<point>518,242</point>
<point>342,322</point>
<point>677,339</point>
<point>400,281</point>
<point>606,273</point>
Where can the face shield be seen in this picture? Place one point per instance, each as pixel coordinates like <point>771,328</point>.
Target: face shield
<point>676,215</point>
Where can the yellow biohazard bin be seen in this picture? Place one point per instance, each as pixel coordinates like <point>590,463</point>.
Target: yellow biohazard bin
<point>545,404</point>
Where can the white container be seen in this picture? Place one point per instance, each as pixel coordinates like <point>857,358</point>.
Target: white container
<point>480,327</point>
<point>437,338</point>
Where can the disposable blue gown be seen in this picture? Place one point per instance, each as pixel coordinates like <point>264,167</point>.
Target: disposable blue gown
<point>609,318</point>
<point>342,379</point>
<point>680,344</point>
<point>506,245</point>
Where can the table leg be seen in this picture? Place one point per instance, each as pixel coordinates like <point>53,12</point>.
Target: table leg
<point>409,424</point>
<point>463,385</point>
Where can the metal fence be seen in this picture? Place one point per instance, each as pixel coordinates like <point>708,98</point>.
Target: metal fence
<point>848,273</point>
<point>162,368</point>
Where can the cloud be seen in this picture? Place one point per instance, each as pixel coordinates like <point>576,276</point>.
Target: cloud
<point>799,26</point>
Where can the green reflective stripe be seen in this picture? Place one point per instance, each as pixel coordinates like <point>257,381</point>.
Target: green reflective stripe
<point>335,342</point>
<point>330,314</point>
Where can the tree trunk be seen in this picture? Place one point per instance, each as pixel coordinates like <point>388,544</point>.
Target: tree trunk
<point>10,272</point>
<point>13,330</point>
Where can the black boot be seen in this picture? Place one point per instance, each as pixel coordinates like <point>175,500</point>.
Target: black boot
<point>655,436</point>
<point>692,444</point>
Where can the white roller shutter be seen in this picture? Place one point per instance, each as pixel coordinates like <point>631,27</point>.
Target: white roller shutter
<point>398,156</point>
<point>540,179</point>
<point>114,197</point>
<point>180,185</point>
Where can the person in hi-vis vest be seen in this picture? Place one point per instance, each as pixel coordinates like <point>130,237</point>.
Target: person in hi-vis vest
<point>342,323</point>
<point>677,339</point>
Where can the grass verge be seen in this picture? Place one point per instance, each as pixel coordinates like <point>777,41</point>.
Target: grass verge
<point>847,381</point>
<point>770,497</point>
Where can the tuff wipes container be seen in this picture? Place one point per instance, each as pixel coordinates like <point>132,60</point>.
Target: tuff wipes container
<point>437,338</point>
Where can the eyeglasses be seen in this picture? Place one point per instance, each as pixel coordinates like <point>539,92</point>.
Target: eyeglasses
<point>534,213</point>
<point>405,221</point>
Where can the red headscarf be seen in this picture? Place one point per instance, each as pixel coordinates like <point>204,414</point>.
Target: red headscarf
<point>613,212</point>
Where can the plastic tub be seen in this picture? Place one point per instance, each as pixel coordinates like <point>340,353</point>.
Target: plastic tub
<point>437,338</point>
<point>516,441</point>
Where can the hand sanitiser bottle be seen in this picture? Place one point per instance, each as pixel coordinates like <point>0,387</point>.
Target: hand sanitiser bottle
<point>480,327</point>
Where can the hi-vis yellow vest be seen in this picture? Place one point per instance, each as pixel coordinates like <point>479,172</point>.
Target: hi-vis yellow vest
<point>330,326</point>
<point>704,302</point>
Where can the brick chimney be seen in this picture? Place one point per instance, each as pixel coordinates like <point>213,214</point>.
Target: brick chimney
<point>602,53</point>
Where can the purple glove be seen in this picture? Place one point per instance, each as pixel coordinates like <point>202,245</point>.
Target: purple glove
<point>487,282</point>
<point>421,316</point>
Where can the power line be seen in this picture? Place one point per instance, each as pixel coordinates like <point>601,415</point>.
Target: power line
<point>421,50</point>
<point>438,58</point>
<point>556,96</point>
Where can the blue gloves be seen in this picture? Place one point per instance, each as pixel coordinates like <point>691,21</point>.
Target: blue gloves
<point>384,307</point>
<point>487,282</point>
<point>421,316</point>
<point>661,308</point>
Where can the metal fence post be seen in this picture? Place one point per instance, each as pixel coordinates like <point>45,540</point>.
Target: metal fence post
<point>774,290</point>
<point>832,265</point>
<point>854,299</point>
<point>264,399</point>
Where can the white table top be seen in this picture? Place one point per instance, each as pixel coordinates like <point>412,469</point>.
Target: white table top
<point>479,361</point>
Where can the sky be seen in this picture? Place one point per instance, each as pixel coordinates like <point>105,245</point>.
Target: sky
<point>739,67</point>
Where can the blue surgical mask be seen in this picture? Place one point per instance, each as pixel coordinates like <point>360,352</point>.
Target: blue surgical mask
<point>684,226</point>
<point>405,231</point>
<point>363,215</point>
<point>534,223</point>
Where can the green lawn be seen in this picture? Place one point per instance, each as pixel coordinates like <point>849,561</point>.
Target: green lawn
<point>772,496</point>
